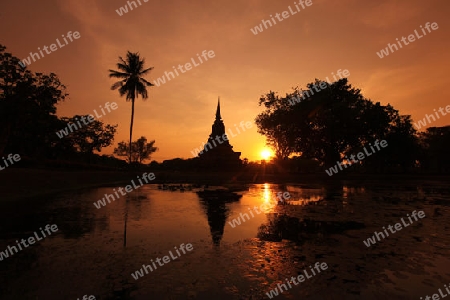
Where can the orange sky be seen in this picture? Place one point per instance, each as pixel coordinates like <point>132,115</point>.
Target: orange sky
<point>327,36</point>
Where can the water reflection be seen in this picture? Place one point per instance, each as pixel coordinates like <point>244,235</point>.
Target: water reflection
<point>326,223</point>
<point>214,204</point>
<point>134,199</point>
<point>301,195</point>
<point>282,226</point>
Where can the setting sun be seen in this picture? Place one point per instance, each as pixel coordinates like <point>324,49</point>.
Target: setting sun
<point>266,154</point>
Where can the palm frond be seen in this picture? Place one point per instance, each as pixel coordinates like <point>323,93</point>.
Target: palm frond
<point>118,84</point>
<point>116,74</point>
<point>123,67</point>
<point>146,71</point>
<point>131,69</point>
<point>147,83</point>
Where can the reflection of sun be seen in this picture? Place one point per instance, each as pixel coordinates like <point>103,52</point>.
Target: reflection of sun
<point>267,204</point>
<point>266,154</point>
<point>267,194</point>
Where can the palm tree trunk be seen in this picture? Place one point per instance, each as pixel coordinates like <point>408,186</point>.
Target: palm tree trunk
<point>131,124</point>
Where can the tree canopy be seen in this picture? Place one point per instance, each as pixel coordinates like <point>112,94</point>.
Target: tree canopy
<point>28,120</point>
<point>331,122</point>
<point>93,136</point>
<point>140,150</point>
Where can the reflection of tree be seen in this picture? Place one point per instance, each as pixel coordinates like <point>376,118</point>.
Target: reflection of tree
<point>13,267</point>
<point>217,212</point>
<point>74,219</point>
<point>281,227</point>
<point>334,192</point>
<point>73,216</point>
<point>134,199</point>
<point>125,292</point>
<point>125,223</point>
<point>137,205</point>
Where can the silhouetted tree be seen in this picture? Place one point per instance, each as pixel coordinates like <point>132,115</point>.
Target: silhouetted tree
<point>436,142</point>
<point>132,84</point>
<point>93,136</point>
<point>28,101</point>
<point>328,123</point>
<point>404,149</point>
<point>141,150</point>
<point>28,121</point>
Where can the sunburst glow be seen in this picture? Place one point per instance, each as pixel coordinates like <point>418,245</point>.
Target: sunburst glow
<point>266,154</point>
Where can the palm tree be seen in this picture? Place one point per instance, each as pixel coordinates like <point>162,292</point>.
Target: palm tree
<point>132,84</point>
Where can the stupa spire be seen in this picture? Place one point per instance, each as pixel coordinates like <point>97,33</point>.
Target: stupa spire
<point>218,117</point>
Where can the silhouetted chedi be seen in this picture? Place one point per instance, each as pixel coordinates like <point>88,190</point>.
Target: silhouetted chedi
<point>218,153</point>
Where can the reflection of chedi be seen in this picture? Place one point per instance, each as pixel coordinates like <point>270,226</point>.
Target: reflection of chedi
<point>217,213</point>
<point>218,152</point>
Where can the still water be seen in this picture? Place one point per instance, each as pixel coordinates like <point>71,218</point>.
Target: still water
<point>95,251</point>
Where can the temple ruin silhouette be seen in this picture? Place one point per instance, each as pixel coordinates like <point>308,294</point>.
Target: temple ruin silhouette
<point>218,154</point>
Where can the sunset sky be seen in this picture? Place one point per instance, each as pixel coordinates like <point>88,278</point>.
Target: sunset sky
<point>326,36</point>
